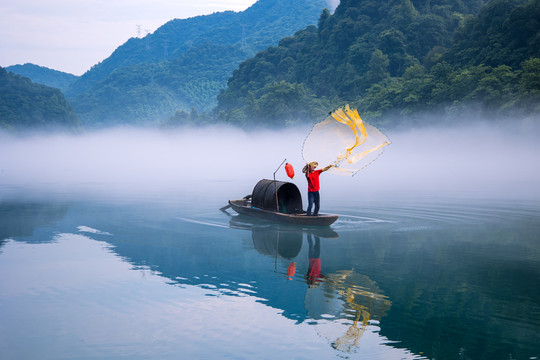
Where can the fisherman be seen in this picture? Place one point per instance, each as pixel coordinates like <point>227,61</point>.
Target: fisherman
<point>312,177</point>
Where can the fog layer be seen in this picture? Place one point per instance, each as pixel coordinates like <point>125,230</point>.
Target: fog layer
<point>478,159</point>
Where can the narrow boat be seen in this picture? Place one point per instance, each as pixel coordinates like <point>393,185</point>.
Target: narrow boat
<point>278,201</point>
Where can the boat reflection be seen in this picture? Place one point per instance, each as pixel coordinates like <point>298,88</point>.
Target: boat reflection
<point>251,223</point>
<point>279,240</point>
<point>339,303</point>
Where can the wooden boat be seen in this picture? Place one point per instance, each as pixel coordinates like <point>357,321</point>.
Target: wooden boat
<point>243,207</point>
<point>259,226</point>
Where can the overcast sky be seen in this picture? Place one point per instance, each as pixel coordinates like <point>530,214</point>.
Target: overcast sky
<point>74,35</point>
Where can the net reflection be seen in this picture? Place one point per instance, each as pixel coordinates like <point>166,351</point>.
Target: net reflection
<point>363,301</point>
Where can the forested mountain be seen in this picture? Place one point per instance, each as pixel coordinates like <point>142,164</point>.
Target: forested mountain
<point>403,57</point>
<point>184,63</point>
<point>27,105</point>
<point>43,75</point>
<point>395,61</point>
<point>506,32</point>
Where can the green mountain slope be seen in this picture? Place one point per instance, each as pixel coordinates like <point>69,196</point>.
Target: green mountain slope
<point>504,33</point>
<point>402,57</point>
<point>184,63</point>
<point>43,75</point>
<point>26,105</point>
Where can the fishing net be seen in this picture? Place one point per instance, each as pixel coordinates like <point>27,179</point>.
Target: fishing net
<point>344,140</point>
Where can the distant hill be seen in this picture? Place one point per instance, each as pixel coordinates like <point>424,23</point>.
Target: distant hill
<point>26,105</point>
<point>184,63</point>
<point>402,58</point>
<point>43,75</point>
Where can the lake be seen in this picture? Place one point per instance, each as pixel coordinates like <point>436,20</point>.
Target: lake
<point>140,269</point>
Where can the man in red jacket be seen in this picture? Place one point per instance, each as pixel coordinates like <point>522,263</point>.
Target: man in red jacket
<point>312,177</point>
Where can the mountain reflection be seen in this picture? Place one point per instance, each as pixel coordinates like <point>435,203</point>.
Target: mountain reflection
<point>20,219</point>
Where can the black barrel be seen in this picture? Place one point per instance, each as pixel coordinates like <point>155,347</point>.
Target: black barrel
<point>288,195</point>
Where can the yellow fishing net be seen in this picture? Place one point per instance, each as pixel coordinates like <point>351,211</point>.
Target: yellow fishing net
<point>344,140</point>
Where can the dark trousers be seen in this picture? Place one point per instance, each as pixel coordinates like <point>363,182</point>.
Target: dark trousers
<point>314,250</point>
<point>313,198</point>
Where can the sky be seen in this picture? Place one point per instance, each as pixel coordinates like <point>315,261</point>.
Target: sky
<point>74,35</point>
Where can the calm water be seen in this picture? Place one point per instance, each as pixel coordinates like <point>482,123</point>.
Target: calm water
<point>154,276</point>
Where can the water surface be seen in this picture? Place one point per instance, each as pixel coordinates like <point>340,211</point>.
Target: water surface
<point>171,276</point>
<point>113,246</point>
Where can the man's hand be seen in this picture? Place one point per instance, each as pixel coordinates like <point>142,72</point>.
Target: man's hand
<point>328,167</point>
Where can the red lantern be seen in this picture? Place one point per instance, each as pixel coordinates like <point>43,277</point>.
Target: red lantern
<point>291,270</point>
<point>289,169</point>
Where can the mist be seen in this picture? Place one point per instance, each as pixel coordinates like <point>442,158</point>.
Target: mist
<point>472,160</point>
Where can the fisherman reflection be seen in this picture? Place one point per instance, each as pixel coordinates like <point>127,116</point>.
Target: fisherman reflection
<point>313,275</point>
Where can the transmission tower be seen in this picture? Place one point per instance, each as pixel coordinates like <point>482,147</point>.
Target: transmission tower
<point>139,30</point>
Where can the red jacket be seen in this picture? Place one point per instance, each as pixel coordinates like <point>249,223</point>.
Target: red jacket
<point>313,180</point>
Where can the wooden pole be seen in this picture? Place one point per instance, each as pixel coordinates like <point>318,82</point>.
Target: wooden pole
<point>275,184</point>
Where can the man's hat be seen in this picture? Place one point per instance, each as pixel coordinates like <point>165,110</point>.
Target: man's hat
<point>313,163</point>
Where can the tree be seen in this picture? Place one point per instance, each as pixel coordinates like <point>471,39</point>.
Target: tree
<point>530,77</point>
<point>377,68</point>
<point>27,105</point>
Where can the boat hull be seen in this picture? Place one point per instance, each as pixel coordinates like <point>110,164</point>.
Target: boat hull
<point>243,207</point>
